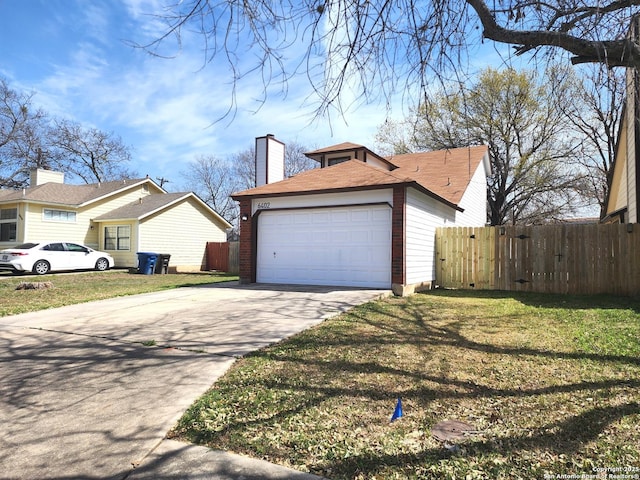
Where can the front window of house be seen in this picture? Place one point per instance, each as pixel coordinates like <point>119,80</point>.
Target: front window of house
<point>8,224</point>
<point>117,237</point>
<point>59,215</point>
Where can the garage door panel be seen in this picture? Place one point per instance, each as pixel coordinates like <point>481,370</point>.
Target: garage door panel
<point>321,218</point>
<point>348,246</point>
<point>360,216</point>
<point>301,219</point>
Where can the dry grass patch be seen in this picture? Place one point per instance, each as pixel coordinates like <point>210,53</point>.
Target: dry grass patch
<point>68,289</point>
<point>551,383</point>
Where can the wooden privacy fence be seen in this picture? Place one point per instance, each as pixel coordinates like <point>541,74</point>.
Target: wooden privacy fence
<point>566,258</point>
<point>223,256</point>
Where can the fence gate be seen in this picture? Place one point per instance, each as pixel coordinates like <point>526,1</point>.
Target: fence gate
<point>218,256</point>
<point>576,259</point>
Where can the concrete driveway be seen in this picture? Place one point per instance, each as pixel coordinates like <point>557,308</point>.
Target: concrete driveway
<point>89,391</point>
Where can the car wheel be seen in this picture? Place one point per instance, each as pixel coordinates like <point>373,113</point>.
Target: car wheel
<point>41,267</point>
<point>102,264</point>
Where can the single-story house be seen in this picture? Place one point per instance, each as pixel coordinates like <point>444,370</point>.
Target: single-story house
<point>121,217</point>
<point>361,219</point>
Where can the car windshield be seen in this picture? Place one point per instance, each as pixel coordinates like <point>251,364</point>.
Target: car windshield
<point>25,246</point>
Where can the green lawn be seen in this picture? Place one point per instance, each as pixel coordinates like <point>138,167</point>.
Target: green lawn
<point>550,382</point>
<point>86,286</point>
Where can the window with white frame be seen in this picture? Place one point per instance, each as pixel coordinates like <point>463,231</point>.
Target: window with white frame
<point>8,224</point>
<point>117,237</point>
<point>58,215</point>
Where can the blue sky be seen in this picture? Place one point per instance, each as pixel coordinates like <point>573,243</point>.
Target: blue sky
<point>75,55</point>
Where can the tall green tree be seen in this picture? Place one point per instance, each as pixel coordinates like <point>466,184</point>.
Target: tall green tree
<point>518,115</point>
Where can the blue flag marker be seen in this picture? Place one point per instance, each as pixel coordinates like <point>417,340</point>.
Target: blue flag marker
<point>398,411</point>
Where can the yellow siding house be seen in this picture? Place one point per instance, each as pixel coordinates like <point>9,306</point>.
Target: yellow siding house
<point>122,217</point>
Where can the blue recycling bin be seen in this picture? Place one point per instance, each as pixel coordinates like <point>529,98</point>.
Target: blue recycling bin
<point>147,262</point>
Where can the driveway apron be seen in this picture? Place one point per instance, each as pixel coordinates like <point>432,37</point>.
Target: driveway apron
<point>89,391</point>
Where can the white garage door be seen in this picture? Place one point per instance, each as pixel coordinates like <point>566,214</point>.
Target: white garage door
<point>343,246</point>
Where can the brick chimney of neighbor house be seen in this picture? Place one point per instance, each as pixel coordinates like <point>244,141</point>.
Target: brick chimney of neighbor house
<point>269,160</point>
<point>38,176</point>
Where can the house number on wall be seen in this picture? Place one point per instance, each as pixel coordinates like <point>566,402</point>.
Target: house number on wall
<point>263,205</point>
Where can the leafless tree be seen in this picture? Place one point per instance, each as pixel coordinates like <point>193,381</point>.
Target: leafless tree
<point>89,153</point>
<point>213,180</point>
<point>29,138</point>
<point>378,47</point>
<point>244,168</point>
<point>596,114</point>
<point>517,114</point>
<point>294,162</point>
<point>21,137</point>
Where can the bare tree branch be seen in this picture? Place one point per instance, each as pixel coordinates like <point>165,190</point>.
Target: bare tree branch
<point>372,49</point>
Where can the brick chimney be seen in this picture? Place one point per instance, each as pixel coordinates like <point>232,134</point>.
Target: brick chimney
<point>269,160</point>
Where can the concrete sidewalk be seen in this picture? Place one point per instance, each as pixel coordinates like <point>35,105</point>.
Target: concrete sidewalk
<point>179,461</point>
<point>89,391</point>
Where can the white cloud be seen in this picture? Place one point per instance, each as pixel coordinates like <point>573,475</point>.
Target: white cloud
<point>171,110</point>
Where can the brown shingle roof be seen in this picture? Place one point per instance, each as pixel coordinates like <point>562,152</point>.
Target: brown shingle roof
<point>444,174</point>
<point>143,207</point>
<point>153,203</point>
<point>62,194</point>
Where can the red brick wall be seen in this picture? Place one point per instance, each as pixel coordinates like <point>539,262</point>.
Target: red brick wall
<point>397,236</point>
<point>247,263</point>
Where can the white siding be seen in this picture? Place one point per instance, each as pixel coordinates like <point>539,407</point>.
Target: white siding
<point>423,215</point>
<point>183,232</point>
<point>324,200</point>
<point>377,163</point>
<point>474,201</point>
<point>269,160</point>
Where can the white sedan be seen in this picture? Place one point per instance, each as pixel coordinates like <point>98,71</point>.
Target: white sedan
<point>44,257</point>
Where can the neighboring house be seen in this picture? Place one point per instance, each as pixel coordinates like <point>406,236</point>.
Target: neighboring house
<point>361,219</point>
<point>121,217</point>
<point>622,200</point>
<point>623,203</point>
